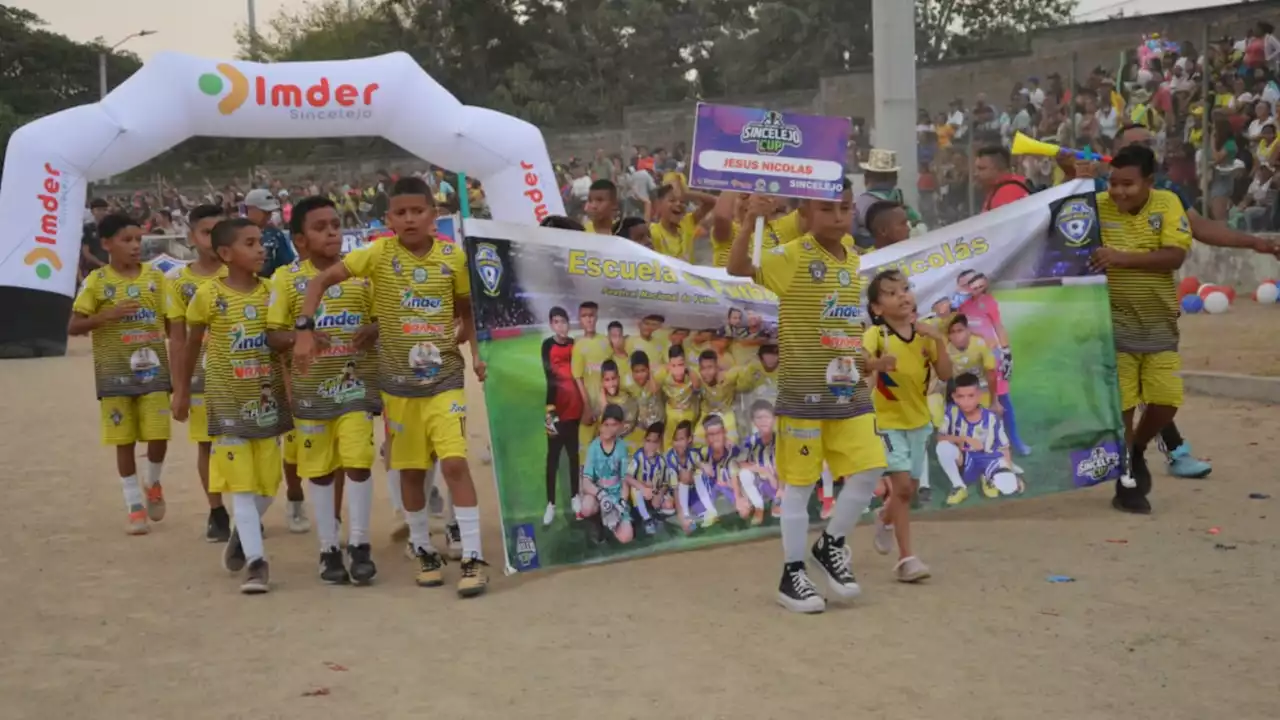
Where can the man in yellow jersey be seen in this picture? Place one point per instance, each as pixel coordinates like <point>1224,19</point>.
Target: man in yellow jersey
<point>122,304</point>
<point>718,393</point>
<point>418,282</point>
<point>618,344</point>
<point>1145,238</point>
<point>679,387</point>
<point>333,405</point>
<point>182,285</point>
<point>590,350</point>
<point>824,405</point>
<point>602,208</point>
<point>674,233</point>
<point>653,340</point>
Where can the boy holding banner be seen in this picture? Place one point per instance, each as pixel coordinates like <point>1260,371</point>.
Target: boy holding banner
<point>821,417</point>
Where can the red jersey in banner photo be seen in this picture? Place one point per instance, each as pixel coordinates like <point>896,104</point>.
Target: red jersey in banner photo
<point>562,391</point>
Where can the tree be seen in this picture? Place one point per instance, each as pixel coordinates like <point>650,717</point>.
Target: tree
<point>959,28</point>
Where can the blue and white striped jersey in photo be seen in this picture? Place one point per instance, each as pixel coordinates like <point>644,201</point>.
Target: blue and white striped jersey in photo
<point>757,451</point>
<point>988,429</point>
<point>722,469</point>
<point>650,471</point>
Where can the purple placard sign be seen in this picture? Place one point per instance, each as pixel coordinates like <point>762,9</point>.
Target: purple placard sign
<point>752,150</point>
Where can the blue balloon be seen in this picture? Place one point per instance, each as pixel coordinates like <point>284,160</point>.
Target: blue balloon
<point>1192,304</point>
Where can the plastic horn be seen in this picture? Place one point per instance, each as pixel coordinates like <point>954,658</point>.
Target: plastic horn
<point>1024,145</point>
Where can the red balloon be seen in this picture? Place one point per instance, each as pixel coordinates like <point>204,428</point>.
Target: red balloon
<point>1188,286</point>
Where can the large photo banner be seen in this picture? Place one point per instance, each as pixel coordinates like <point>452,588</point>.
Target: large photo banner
<point>601,441</point>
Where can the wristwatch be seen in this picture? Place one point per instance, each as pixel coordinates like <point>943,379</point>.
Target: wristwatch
<point>304,323</point>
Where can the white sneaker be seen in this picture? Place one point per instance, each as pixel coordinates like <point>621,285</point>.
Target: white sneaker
<point>549,516</point>
<point>576,504</point>
<point>296,514</point>
<point>883,540</point>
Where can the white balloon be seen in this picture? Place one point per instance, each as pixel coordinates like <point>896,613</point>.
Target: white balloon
<point>1216,303</point>
<point>1267,293</point>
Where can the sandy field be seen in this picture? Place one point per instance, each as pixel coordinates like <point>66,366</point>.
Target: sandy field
<point>1165,619</point>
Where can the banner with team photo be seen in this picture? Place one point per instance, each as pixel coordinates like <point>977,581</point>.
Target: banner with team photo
<point>1035,332</point>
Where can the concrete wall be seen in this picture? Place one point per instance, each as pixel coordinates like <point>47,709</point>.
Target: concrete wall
<point>1242,269</point>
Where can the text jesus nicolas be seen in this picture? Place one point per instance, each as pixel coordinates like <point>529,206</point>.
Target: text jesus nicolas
<point>592,265</point>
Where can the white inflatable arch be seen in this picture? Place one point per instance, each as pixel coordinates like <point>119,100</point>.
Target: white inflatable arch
<point>174,97</point>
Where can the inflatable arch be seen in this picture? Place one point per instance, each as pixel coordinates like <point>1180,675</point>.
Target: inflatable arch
<point>174,97</point>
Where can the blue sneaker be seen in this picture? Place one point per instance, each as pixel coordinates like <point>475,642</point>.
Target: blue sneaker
<point>1185,465</point>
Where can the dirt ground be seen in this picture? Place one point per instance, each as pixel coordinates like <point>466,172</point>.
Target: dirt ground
<point>1164,620</point>
<point>1242,340</point>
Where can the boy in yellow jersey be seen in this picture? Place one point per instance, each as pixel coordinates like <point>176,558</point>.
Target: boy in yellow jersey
<point>418,282</point>
<point>1145,238</point>
<point>243,390</point>
<point>590,350</point>
<point>642,386</point>
<point>903,354</point>
<point>820,419</point>
<point>696,343</point>
<point>719,392</point>
<point>761,376</point>
<point>674,233</point>
<point>182,285</point>
<point>611,393</point>
<point>332,405</point>
<point>653,341</point>
<point>602,209</point>
<point>971,354</point>
<point>618,348</point>
<point>123,305</point>
<point>729,217</point>
<point>680,389</point>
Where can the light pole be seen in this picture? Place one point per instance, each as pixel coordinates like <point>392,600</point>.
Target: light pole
<point>102,60</point>
<point>102,66</point>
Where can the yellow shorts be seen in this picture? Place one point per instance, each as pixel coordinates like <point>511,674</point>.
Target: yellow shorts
<point>423,429</point>
<point>135,418</point>
<point>730,429</point>
<point>1150,378</point>
<point>341,442</point>
<point>674,418</point>
<point>937,409</point>
<point>848,446</point>
<point>238,465</point>
<point>198,420</point>
<point>291,447</point>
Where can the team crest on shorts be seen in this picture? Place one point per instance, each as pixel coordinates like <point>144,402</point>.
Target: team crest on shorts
<point>489,267</point>
<point>1075,221</point>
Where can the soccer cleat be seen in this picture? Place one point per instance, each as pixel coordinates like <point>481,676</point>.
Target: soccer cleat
<point>233,558</point>
<point>363,571</point>
<point>400,533</point>
<point>549,516</point>
<point>257,578</point>
<point>1185,465</point>
<point>409,550</point>
<point>453,541</point>
<point>883,539</point>
<point>155,502</point>
<point>797,593</point>
<point>430,568</point>
<point>957,496</point>
<point>296,512</point>
<point>138,522</point>
<point>218,528</point>
<point>475,577</point>
<point>332,571</point>
<point>989,489</point>
<point>833,557</point>
<point>910,570</point>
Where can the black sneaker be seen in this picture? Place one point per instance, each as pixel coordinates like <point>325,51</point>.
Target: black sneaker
<point>332,571</point>
<point>233,558</point>
<point>833,557</point>
<point>1131,501</point>
<point>362,568</point>
<point>796,591</point>
<point>218,528</point>
<point>1141,473</point>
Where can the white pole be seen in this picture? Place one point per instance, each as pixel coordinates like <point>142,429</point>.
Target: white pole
<point>893,33</point>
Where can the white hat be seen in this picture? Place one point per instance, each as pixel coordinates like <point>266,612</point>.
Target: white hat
<point>262,199</point>
<point>883,161</point>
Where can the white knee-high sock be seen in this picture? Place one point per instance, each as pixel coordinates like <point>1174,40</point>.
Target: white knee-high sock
<point>748,481</point>
<point>419,529</point>
<point>153,473</point>
<point>853,501</point>
<point>638,500</point>
<point>263,503</point>
<point>359,507</point>
<point>393,491</point>
<point>132,493</point>
<point>469,528</point>
<point>248,524</point>
<point>704,497</point>
<point>949,458</point>
<point>795,521</point>
<point>682,492</point>
<point>924,473</point>
<point>322,505</point>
